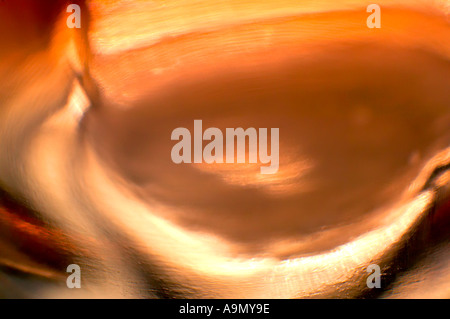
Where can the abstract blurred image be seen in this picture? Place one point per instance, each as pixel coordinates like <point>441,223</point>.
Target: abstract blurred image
<point>225,149</point>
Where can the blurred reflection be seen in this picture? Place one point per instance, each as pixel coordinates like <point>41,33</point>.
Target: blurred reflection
<point>86,176</point>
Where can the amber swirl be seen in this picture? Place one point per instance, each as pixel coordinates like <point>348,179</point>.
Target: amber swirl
<point>364,178</point>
